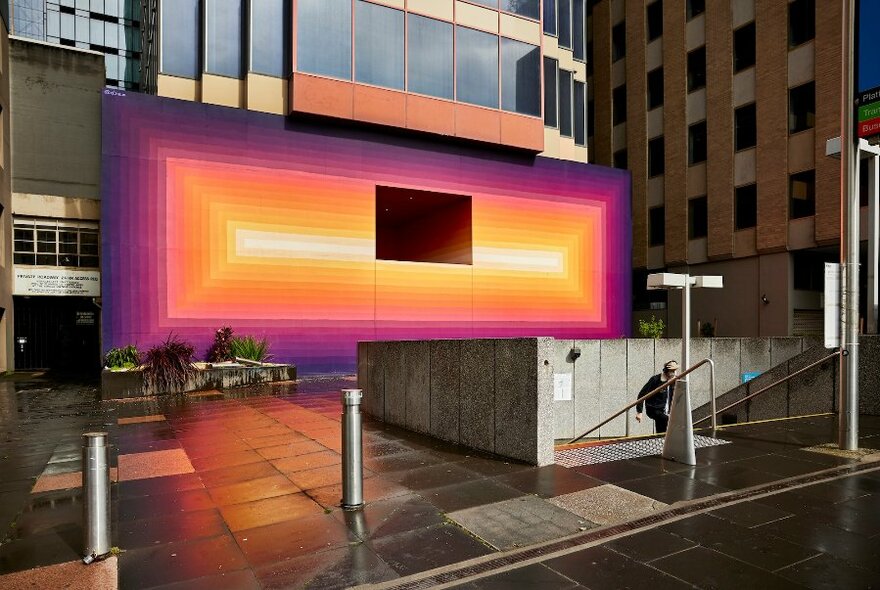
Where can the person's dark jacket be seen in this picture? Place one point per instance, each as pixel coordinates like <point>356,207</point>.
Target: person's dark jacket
<point>658,402</point>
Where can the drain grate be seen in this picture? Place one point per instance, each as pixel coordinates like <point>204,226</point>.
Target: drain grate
<point>629,449</point>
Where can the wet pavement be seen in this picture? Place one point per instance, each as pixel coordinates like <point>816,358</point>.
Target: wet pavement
<point>241,489</point>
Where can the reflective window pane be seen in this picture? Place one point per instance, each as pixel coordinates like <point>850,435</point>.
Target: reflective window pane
<point>180,38</point>
<point>550,17</point>
<point>577,28</point>
<point>565,103</point>
<point>317,21</point>
<point>527,8</point>
<point>580,118</point>
<point>378,45</point>
<point>550,98</point>
<point>489,3</point>
<point>520,77</point>
<point>564,23</point>
<point>223,20</point>
<point>430,57</point>
<point>477,67</point>
<point>270,26</point>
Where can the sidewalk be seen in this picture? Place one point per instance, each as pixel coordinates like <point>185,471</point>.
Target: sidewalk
<point>240,489</point>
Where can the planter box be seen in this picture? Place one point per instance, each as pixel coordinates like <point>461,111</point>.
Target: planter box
<point>122,384</point>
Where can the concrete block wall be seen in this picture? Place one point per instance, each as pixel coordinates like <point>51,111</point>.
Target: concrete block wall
<point>494,395</point>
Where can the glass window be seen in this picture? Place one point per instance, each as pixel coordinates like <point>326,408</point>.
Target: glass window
<point>621,159</point>
<point>657,226</point>
<point>698,218</point>
<point>565,113</point>
<point>618,105</point>
<point>564,12</point>
<point>580,122</point>
<point>802,107</point>
<point>695,8</point>
<point>697,69</point>
<point>801,22</point>
<point>655,88</point>
<point>55,244</point>
<point>223,20</point>
<point>577,28</point>
<point>489,3</point>
<point>477,67</point>
<point>318,21</point>
<point>270,37</point>
<point>802,194</point>
<point>656,150</point>
<point>111,34</point>
<point>550,88</point>
<point>746,206</point>
<point>97,32</point>
<point>430,57</point>
<point>520,77</point>
<point>550,17</point>
<point>68,26</point>
<point>655,19</point>
<point>745,127</point>
<point>744,47</point>
<point>697,143</point>
<point>82,29</point>
<point>180,38</point>
<point>618,41</point>
<point>378,45</point>
<point>527,8</point>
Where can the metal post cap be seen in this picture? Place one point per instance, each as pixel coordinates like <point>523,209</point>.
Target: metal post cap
<point>352,397</point>
<point>95,439</point>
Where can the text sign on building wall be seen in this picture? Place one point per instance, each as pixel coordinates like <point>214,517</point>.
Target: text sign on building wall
<point>832,305</point>
<point>41,281</point>
<point>867,69</point>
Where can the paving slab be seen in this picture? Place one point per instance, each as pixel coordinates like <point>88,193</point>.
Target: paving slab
<point>608,504</point>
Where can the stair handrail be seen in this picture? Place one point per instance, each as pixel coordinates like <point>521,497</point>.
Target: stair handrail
<point>657,390</point>
<point>762,390</point>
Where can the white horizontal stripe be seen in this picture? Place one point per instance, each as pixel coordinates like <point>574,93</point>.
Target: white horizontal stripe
<point>515,259</point>
<point>264,244</point>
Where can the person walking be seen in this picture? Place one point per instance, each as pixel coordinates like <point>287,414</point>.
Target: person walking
<point>657,406</point>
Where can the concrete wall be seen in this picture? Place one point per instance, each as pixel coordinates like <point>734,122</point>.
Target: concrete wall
<point>56,123</point>
<point>493,395</point>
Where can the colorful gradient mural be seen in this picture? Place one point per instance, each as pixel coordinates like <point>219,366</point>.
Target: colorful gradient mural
<point>215,216</point>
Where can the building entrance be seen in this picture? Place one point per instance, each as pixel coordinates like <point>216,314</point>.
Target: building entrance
<point>58,333</point>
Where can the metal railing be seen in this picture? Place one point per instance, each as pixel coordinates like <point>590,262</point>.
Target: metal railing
<point>657,390</point>
<point>762,390</point>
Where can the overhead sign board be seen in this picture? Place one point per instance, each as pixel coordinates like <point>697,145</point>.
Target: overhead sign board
<point>867,68</point>
<point>57,282</point>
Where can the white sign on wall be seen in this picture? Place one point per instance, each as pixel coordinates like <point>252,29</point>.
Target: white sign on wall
<point>562,385</point>
<point>41,281</point>
<point>832,305</point>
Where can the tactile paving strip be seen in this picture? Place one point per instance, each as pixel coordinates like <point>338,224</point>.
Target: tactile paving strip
<point>629,449</point>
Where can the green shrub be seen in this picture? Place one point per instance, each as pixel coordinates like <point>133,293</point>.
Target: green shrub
<point>127,357</point>
<point>168,365</point>
<point>219,351</point>
<point>248,347</point>
<point>652,328</point>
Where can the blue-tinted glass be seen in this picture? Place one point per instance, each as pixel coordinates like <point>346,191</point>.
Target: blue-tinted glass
<point>223,20</point>
<point>180,38</point>
<point>378,45</point>
<point>323,37</point>
<point>565,103</point>
<point>520,77</point>
<point>430,57</point>
<point>528,8</point>
<point>269,37</point>
<point>578,23</point>
<point>550,17</point>
<point>580,119</point>
<point>477,71</point>
<point>565,23</point>
<point>550,92</point>
<point>28,18</point>
<point>489,3</point>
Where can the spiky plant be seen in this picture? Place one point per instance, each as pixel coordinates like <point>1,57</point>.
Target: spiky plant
<point>219,350</point>
<point>248,347</point>
<point>168,365</point>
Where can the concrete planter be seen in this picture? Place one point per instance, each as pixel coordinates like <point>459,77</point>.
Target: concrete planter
<point>123,384</point>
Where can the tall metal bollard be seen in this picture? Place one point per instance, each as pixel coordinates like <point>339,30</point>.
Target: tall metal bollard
<point>352,455</point>
<point>96,496</point>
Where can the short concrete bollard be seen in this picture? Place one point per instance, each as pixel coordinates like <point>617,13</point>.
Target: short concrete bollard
<point>96,496</point>
<point>352,450</point>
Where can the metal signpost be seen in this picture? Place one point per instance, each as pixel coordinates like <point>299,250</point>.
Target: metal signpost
<point>679,442</point>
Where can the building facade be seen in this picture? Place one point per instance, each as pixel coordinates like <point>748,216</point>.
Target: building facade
<point>421,176</point>
<point>111,27</point>
<point>721,111</point>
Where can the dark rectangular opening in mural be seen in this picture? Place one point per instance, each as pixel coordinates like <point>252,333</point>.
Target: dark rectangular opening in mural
<point>423,226</point>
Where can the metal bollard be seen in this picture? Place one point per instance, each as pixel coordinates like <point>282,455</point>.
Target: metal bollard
<point>96,496</point>
<point>352,455</point>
